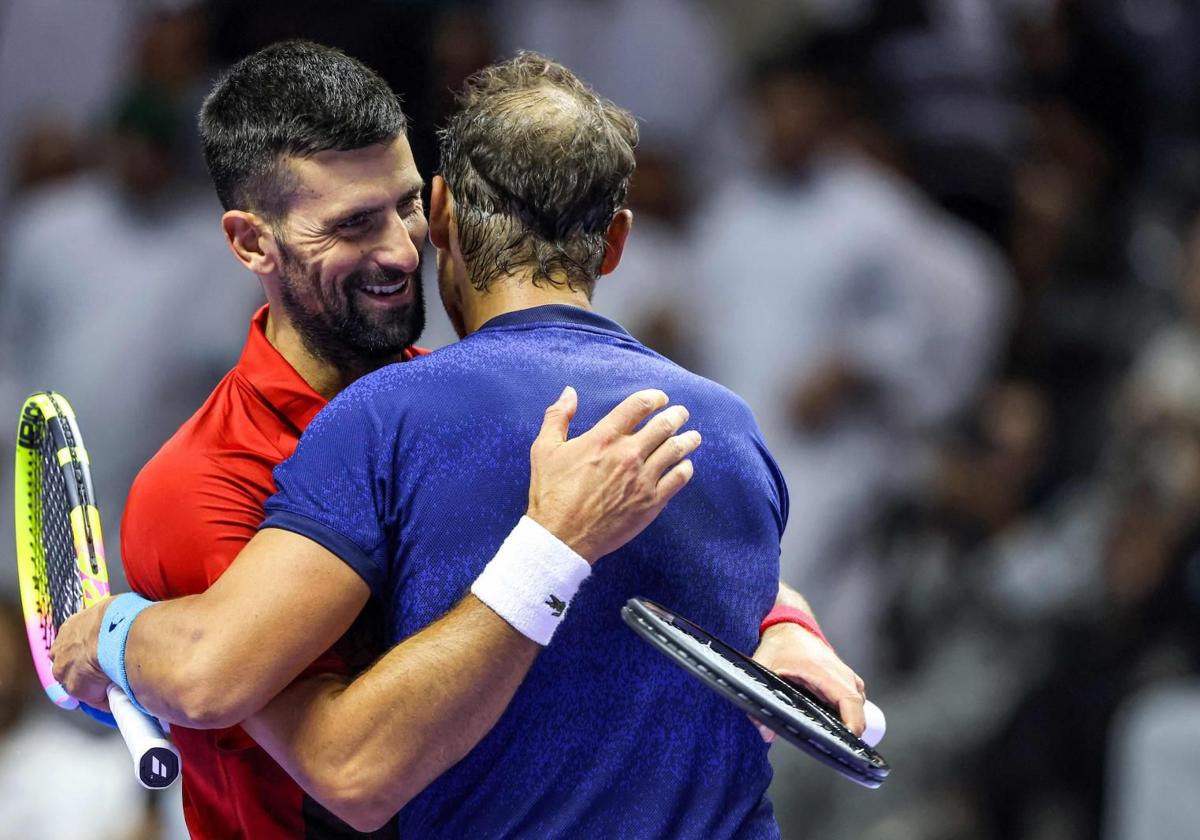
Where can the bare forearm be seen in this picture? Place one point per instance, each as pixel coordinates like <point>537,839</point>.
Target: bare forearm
<point>162,657</point>
<point>365,749</point>
<point>212,660</point>
<point>191,666</point>
<point>788,597</point>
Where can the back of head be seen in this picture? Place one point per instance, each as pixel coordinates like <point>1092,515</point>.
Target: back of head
<point>291,99</point>
<point>538,164</point>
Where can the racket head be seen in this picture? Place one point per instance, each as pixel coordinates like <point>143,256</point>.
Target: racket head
<point>784,707</point>
<point>60,549</point>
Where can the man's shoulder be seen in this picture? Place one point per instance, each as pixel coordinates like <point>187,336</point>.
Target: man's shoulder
<point>694,389</point>
<point>228,435</point>
<point>200,498</point>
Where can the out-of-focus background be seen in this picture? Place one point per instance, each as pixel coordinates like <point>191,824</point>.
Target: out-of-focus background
<point>948,250</point>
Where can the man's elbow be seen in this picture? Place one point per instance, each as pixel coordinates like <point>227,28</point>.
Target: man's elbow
<point>363,799</point>
<point>207,696</point>
<point>361,818</point>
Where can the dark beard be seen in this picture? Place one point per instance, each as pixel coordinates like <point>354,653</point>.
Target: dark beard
<point>334,328</point>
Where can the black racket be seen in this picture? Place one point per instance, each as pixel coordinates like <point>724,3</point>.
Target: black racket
<point>782,706</point>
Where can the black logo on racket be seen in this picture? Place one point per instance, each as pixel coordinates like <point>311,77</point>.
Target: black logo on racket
<point>556,605</point>
<point>31,427</point>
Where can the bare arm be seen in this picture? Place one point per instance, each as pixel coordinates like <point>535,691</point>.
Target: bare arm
<point>788,597</point>
<point>208,661</point>
<point>212,660</point>
<point>364,749</point>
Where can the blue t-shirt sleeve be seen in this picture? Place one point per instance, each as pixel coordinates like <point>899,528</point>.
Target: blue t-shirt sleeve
<point>779,496</point>
<point>330,490</point>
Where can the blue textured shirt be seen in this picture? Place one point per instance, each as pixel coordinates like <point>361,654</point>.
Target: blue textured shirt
<point>414,476</point>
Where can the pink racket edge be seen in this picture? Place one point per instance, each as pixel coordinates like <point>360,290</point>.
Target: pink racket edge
<point>41,634</point>
<point>39,646</point>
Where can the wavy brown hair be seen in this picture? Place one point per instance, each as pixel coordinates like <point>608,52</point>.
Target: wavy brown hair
<point>538,164</point>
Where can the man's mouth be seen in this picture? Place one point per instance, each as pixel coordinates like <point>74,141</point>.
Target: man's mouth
<point>390,289</point>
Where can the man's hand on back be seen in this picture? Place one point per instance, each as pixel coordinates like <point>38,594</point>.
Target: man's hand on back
<point>599,490</point>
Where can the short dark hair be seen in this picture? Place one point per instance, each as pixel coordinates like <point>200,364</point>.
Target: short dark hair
<point>538,164</point>
<point>293,98</point>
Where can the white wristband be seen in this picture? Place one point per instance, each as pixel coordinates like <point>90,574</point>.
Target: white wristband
<point>531,580</point>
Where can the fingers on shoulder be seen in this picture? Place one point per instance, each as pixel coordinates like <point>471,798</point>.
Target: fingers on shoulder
<point>632,410</point>
<point>675,480</point>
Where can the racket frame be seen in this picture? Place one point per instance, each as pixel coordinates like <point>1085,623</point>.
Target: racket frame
<point>155,759</point>
<point>47,413</point>
<point>782,706</point>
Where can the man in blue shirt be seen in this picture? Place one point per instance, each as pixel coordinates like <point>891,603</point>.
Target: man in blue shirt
<point>604,738</point>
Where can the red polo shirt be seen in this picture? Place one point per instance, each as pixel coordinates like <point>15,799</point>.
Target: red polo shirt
<point>190,511</point>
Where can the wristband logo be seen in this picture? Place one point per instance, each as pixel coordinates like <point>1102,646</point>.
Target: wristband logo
<point>556,605</point>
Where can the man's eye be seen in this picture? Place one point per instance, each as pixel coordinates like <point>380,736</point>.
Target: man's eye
<point>353,223</point>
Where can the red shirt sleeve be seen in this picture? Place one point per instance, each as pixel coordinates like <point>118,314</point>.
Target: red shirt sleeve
<point>186,520</point>
<point>183,526</point>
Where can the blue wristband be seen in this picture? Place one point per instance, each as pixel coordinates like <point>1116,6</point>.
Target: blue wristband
<point>114,632</point>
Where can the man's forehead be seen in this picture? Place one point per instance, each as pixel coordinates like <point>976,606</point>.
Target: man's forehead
<point>332,175</point>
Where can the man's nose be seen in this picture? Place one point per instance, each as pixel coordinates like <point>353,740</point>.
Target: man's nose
<point>397,250</point>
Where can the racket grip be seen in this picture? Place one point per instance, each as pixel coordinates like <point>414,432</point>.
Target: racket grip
<point>155,760</point>
<point>876,724</point>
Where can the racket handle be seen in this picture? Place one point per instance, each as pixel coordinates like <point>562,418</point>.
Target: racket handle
<point>155,759</point>
<point>876,724</point>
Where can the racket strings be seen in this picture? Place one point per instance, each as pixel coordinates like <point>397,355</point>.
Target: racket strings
<point>38,578</point>
<point>58,545</point>
<point>82,481</point>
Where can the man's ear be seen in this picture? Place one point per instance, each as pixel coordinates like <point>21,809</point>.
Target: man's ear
<point>251,241</point>
<point>441,213</point>
<point>614,240</point>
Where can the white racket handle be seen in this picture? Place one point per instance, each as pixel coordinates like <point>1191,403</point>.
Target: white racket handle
<point>155,760</point>
<point>876,724</point>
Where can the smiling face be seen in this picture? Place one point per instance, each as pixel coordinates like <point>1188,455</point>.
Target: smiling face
<point>350,254</point>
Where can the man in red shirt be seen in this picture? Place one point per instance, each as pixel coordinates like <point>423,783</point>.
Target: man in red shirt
<point>193,507</point>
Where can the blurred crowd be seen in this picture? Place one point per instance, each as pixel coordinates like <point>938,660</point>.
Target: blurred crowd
<point>948,250</point>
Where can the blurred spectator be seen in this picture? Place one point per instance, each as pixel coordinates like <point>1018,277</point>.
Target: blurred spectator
<point>946,76</point>
<point>647,294</point>
<point>393,37</point>
<point>62,61</point>
<point>47,151</point>
<point>1129,616</point>
<point>171,55</point>
<point>461,43</point>
<point>1153,769</point>
<point>853,316</point>
<point>58,779</point>
<point>969,581</point>
<point>663,61</point>
<point>120,293</point>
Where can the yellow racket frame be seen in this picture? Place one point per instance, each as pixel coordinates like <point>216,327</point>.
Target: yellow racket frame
<point>49,413</point>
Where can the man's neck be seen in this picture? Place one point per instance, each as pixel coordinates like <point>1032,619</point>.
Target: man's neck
<point>322,376</point>
<point>511,294</point>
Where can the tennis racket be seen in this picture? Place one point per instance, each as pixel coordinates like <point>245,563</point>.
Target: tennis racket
<point>60,564</point>
<point>786,708</point>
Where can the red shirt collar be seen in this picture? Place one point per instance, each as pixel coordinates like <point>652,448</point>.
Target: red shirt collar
<point>277,381</point>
